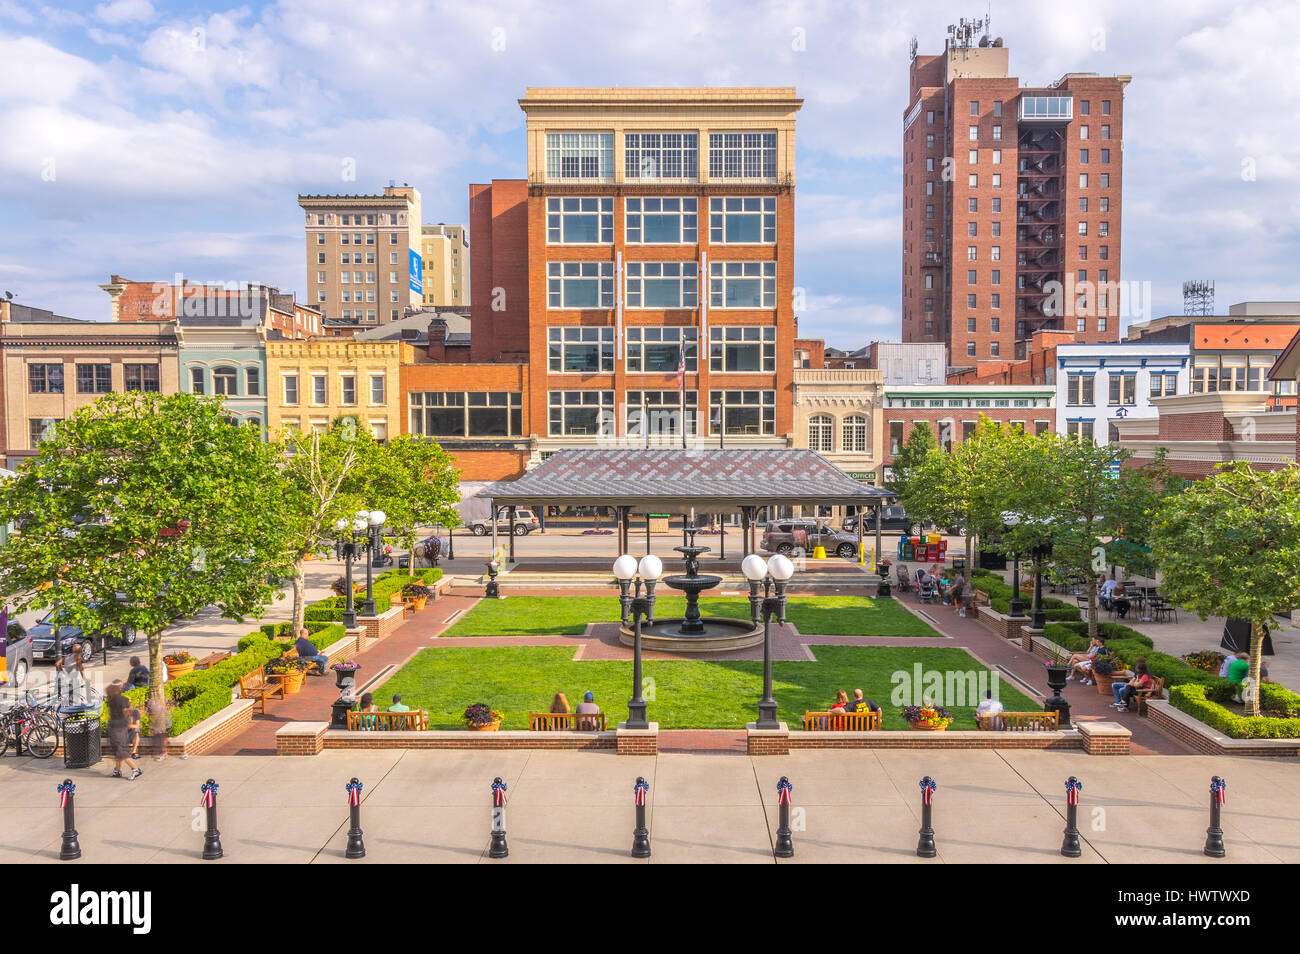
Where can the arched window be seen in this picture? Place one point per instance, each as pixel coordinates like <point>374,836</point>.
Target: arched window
<point>225,381</point>
<point>820,430</point>
<point>854,436</point>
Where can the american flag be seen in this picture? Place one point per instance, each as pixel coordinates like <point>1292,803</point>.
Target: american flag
<point>681,368</point>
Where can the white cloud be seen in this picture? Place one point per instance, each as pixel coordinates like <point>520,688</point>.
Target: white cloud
<point>125,11</point>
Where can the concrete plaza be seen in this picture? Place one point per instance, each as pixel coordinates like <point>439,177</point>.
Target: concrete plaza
<point>856,806</point>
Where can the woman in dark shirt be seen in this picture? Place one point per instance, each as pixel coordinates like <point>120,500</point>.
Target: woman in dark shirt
<point>118,707</point>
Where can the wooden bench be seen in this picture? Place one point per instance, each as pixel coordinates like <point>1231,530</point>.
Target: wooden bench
<point>258,685</point>
<point>212,659</point>
<point>842,721</point>
<point>1157,691</point>
<point>566,721</point>
<point>292,653</point>
<point>1018,721</point>
<point>415,720</point>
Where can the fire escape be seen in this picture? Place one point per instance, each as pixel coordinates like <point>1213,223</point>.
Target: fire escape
<point>1038,225</point>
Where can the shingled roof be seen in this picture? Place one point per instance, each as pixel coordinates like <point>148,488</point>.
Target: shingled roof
<point>718,479</point>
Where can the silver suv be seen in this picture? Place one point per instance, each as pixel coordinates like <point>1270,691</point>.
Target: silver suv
<point>787,536</point>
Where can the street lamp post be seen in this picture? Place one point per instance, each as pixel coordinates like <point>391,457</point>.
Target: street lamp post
<point>346,548</point>
<point>1037,616</point>
<point>374,519</point>
<point>1017,607</point>
<point>630,574</point>
<point>773,573</point>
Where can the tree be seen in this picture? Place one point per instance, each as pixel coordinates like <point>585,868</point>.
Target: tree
<point>1229,546</point>
<point>412,480</point>
<point>141,509</point>
<point>910,456</point>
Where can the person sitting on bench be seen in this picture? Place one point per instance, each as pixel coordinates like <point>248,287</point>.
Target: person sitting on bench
<point>860,703</point>
<point>307,650</point>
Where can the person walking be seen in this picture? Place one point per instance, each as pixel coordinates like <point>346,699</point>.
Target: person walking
<point>160,721</point>
<point>69,665</point>
<point>118,732</point>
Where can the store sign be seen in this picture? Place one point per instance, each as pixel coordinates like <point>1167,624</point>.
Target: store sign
<point>867,476</point>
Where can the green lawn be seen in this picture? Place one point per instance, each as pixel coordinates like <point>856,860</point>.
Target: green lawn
<point>569,616</point>
<point>686,694</point>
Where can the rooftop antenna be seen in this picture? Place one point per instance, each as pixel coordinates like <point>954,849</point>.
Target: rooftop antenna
<point>1198,298</point>
<point>911,48</point>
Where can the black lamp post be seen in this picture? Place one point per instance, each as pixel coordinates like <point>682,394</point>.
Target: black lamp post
<point>630,576</point>
<point>1037,617</point>
<point>773,573</point>
<point>374,544</point>
<point>1017,604</point>
<point>347,547</point>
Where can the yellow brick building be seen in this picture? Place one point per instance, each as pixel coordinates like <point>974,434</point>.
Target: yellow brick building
<point>446,265</point>
<point>312,383</point>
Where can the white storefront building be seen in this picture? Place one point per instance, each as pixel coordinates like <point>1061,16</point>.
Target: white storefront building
<point>1100,384</point>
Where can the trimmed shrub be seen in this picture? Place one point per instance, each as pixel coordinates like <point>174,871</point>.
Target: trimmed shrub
<point>1204,704</point>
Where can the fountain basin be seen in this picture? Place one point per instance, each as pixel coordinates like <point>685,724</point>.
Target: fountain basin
<point>719,635</point>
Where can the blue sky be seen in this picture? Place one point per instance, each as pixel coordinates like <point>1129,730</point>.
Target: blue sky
<point>147,138</point>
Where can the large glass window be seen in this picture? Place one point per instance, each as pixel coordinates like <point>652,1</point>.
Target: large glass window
<point>742,284</point>
<point>575,413</point>
<point>742,220</point>
<point>743,412</point>
<point>821,431</point>
<point>196,381</point>
<point>466,413</point>
<point>579,221</point>
<point>348,389</point>
<point>658,350</point>
<point>662,284</point>
<point>853,435</point>
<point>662,411</point>
<point>895,437</point>
<point>742,348</point>
<point>580,285</point>
<point>225,381</point>
<point>580,156</point>
<point>1123,388</point>
<point>40,428</point>
<point>378,390</point>
<point>1079,430</point>
<point>581,350</point>
<point>1163,385</point>
<point>291,389</point>
<point>45,378</point>
<point>750,155</point>
<point>1079,389</point>
<point>1205,375</point>
<point>95,378</point>
<point>661,155</point>
<point>664,221</point>
<point>1232,372</point>
<point>141,377</point>
<point>438,413</point>
<point>318,389</point>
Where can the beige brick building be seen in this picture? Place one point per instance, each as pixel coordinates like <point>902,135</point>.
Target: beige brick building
<point>310,384</point>
<point>446,265</point>
<point>837,414</point>
<point>363,255</point>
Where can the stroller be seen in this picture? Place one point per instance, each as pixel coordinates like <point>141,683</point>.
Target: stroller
<point>927,588</point>
<point>904,579</point>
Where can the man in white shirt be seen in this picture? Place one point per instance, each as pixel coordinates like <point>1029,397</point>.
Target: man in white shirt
<point>1103,594</point>
<point>988,706</point>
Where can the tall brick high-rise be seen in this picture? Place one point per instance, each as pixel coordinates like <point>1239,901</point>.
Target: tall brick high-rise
<point>1012,196</point>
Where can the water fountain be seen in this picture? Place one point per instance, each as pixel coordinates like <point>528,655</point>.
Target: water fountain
<point>694,633</point>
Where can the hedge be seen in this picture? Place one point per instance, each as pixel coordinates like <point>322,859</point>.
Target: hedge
<point>1128,644</point>
<point>1204,703</point>
<point>1000,593</point>
<point>321,634</point>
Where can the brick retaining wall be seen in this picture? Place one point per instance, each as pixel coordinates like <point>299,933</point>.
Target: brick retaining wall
<point>213,731</point>
<point>1210,741</point>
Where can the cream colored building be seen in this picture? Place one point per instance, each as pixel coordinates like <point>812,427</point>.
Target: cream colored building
<point>364,262</point>
<point>446,265</point>
<point>310,384</point>
<point>837,414</point>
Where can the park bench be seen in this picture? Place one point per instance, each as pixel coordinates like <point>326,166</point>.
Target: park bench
<point>292,653</point>
<point>415,720</point>
<point>566,721</point>
<point>258,685</point>
<point>1157,691</point>
<point>211,659</point>
<point>1018,721</point>
<point>842,721</point>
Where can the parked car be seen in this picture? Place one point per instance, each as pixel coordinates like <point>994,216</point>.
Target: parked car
<point>42,639</point>
<point>525,523</point>
<point>18,655</point>
<point>786,536</point>
<point>892,520</point>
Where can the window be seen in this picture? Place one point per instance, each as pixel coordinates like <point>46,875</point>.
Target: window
<point>820,431</point>
<point>971,252</point>
<point>347,389</point>
<point>465,414</point>
<point>45,378</point>
<point>581,413</point>
<point>929,164</point>
<point>974,107</point>
<point>996,253</point>
<point>1165,385</point>
<point>1083,203</point>
<point>995,277</point>
<point>1105,132</point>
<point>1084,107</point>
<point>972,205</point>
<point>970,276</point>
<point>970,349</point>
<point>1079,389</point>
<point>1103,204</point>
<point>747,155</point>
<point>40,428</point>
<point>929,188</point>
<point>995,301</point>
<point>973,133</point>
<point>972,229</point>
<point>1105,180</point>
<point>742,284</point>
<point>995,325</point>
<point>742,220</point>
<point>1079,430</point>
<point>662,411</point>
<point>997,180</point>
<point>662,284</point>
<point>970,301</point>
<point>1083,228</point>
<point>1103,228</point>
<point>895,437</point>
<point>320,258</point>
<point>929,211</point>
<point>970,326</point>
<point>253,381</point>
<point>580,156</point>
<point>579,221</point>
<point>997,226</point>
<point>1083,156</point>
<point>580,285</point>
<point>743,412</point>
<point>584,350</point>
<point>1205,375</point>
<point>318,389</point>
<point>665,221</point>
<point>658,350</point>
<point>378,391</point>
<point>661,155</point>
<point>225,381</point>
<point>742,348</point>
<point>320,238</point>
<point>1105,156</point>
<point>1105,107</point>
<point>929,117</point>
<point>96,378</point>
<point>853,434</point>
<point>997,132</point>
<point>994,349</point>
<point>973,180</point>
<point>1083,132</point>
<point>1123,388</point>
<point>141,377</point>
<point>196,381</point>
<point>291,389</point>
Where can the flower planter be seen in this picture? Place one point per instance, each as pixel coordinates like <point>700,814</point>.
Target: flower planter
<point>419,602</point>
<point>926,727</point>
<point>292,681</point>
<point>1104,683</point>
<point>175,670</point>
<point>487,727</point>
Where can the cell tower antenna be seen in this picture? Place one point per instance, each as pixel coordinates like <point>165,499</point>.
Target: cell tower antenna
<point>1198,298</point>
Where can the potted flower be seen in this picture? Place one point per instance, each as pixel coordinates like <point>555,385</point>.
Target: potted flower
<point>340,586</point>
<point>1207,660</point>
<point>927,718</point>
<point>292,672</point>
<point>345,673</point>
<point>1057,670</point>
<point>1106,669</point>
<point>482,718</point>
<point>417,594</point>
<point>178,664</point>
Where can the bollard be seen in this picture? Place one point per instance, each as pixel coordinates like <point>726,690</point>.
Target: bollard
<point>925,846</point>
<point>1070,846</point>
<point>356,847</point>
<point>71,848</point>
<point>784,844</point>
<point>499,848</point>
<point>212,837</point>
<point>640,836</point>
<point>1214,834</point>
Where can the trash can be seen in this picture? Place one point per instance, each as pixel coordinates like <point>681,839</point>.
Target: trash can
<point>81,743</point>
<point>959,564</point>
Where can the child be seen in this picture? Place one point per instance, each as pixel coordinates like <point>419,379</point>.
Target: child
<point>133,731</point>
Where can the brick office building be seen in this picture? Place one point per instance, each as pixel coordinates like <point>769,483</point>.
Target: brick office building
<point>1010,193</point>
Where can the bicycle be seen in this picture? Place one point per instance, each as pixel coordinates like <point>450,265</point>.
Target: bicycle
<point>36,727</point>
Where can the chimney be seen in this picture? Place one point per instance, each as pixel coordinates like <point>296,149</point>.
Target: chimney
<point>437,339</point>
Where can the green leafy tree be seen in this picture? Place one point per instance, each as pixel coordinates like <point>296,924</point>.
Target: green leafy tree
<point>1230,545</point>
<point>910,456</point>
<point>412,480</point>
<point>141,509</point>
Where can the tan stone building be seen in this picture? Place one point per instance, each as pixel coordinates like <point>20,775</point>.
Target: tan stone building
<point>446,265</point>
<point>310,384</point>
<point>364,265</point>
<point>837,414</point>
<point>54,365</point>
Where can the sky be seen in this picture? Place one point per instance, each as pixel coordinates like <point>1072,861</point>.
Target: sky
<point>147,138</point>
